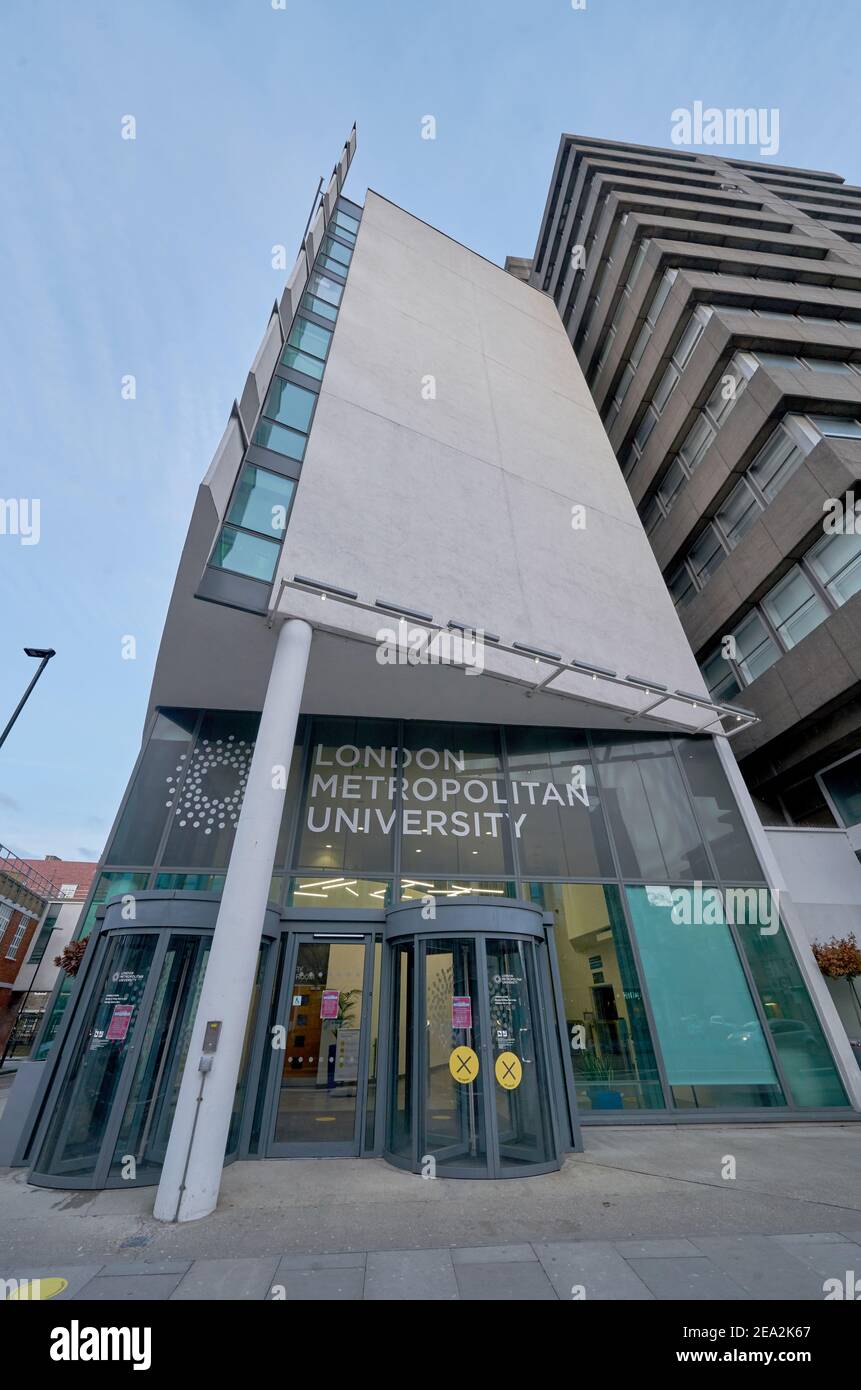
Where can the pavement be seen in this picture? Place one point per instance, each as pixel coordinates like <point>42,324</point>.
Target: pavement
<point>645,1213</point>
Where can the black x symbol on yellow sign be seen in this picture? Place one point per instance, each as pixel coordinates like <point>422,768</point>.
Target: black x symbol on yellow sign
<point>463,1065</point>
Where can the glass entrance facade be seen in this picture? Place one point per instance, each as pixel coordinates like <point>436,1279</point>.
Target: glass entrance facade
<point>324,1036</point>
<point>665,982</point>
<point>473,1072</point>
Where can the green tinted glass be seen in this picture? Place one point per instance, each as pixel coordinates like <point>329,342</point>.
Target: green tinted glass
<point>243,554</point>
<point>289,404</point>
<point>262,501</point>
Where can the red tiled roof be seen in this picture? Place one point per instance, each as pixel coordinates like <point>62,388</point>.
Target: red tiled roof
<point>60,871</point>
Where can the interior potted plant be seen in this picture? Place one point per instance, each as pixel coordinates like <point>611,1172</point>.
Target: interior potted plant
<point>598,1076</point>
<point>840,959</point>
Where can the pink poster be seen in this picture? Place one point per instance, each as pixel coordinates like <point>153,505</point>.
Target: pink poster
<point>120,1022</point>
<point>461,1011</point>
<point>329,1003</point>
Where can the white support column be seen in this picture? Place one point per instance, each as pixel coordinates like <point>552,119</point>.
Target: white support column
<point>833,1029</point>
<point>191,1176</point>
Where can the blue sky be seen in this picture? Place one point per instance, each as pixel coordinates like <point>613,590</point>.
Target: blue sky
<point>153,257</point>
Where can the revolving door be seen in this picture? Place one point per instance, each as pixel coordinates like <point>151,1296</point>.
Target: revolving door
<point>474,1080</point>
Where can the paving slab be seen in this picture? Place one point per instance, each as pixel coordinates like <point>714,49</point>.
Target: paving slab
<point>490,1254</point>
<point>688,1278</point>
<point>831,1260</point>
<point>419,1275</point>
<point>594,1266</point>
<point>132,1266</point>
<point>332,1285</point>
<point>221,1280</point>
<point>763,1268</point>
<point>810,1237</point>
<point>76,1275</point>
<point>513,1281</point>
<point>673,1249</point>
<point>351,1259</point>
<point>138,1288</point>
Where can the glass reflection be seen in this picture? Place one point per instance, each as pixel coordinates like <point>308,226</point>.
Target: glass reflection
<point>606,1025</point>
<point>711,1040</point>
<point>559,824</point>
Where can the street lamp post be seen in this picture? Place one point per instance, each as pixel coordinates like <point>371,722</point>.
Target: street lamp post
<point>45,653</point>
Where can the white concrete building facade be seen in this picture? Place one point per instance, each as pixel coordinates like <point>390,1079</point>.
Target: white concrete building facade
<point>436,847</point>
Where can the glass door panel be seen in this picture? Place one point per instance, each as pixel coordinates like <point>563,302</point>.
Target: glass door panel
<point>403,1051</point>
<point>454,1128</point>
<point>324,1024</point>
<point>73,1143</point>
<point>142,1141</point>
<point>470,1093</point>
<point>521,1086</point>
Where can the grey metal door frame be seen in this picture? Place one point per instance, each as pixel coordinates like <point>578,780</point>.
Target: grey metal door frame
<point>297,933</point>
<point>98,1177</point>
<point>493,1166</point>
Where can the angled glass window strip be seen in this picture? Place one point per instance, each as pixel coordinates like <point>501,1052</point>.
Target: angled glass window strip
<point>262,501</point>
<point>660,297</point>
<point>605,349</point>
<point>307,347</point>
<point>348,227</point>
<point>268,435</point>
<point>322,295</point>
<point>342,255</point>
<point>287,416</point>
<point>738,513</point>
<point>310,337</point>
<point>755,648</point>
<point>328,260</point>
<point>842,781</point>
<point>836,426</point>
<point>776,461</point>
<point>782,360</point>
<point>720,677</point>
<point>301,362</point>
<point>697,441</point>
<point>651,516</point>
<point>667,385</point>
<point>706,555</point>
<point>241,553</point>
<point>624,382</point>
<point>828,364</point>
<point>617,240</point>
<point>681,586</point>
<point>836,562</point>
<point>289,404</point>
<point>670,484</point>
<point>794,607</point>
<point>647,424</point>
<point>727,392</point>
<point>688,341</point>
<point>642,252</point>
<point>601,282</point>
<point>639,347</point>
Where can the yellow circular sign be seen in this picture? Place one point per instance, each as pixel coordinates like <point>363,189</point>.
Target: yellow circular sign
<point>463,1065</point>
<point>38,1288</point>
<point>509,1070</point>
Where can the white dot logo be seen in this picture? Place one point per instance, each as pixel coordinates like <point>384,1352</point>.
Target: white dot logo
<point>212,763</point>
